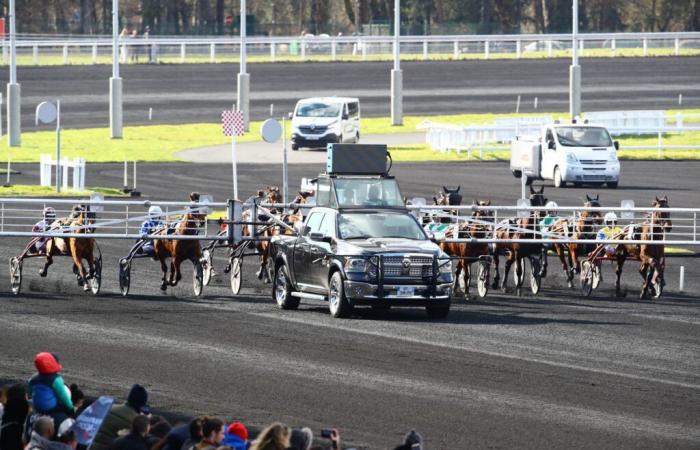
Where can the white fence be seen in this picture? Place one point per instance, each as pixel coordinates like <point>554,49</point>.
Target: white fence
<point>47,169</point>
<point>214,49</point>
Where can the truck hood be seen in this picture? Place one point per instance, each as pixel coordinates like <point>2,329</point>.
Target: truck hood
<point>392,245</point>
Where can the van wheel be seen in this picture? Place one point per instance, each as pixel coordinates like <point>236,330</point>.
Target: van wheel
<point>558,182</point>
<point>295,147</point>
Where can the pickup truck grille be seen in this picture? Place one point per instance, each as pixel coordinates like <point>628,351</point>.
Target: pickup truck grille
<point>420,266</point>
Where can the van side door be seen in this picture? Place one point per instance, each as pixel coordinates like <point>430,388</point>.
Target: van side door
<point>354,121</point>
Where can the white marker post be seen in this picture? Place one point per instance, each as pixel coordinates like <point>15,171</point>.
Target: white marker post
<point>234,168</point>
<point>47,112</point>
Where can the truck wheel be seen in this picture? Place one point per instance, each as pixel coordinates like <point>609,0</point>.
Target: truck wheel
<point>282,290</point>
<point>437,312</point>
<point>517,173</point>
<point>612,184</point>
<point>558,182</point>
<point>295,147</point>
<point>337,302</point>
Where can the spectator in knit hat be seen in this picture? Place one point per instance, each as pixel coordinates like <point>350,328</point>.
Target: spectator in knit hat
<point>274,437</point>
<point>301,439</point>
<point>13,418</point>
<point>136,439</point>
<point>212,434</point>
<point>412,441</point>
<point>120,417</point>
<point>42,432</point>
<point>184,436</point>
<point>49,393</point>
<point>236,436</point>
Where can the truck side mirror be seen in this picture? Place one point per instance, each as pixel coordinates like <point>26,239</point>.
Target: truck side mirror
<point>617,145</point>
<point>316,236</point>
<point>551,145</point>
<point>345,116</point>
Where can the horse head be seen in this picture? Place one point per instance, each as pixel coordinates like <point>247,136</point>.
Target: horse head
<point>479,216</point>
<point>593,202</point>
<point>82,219</point>
<point>273,196</point>
<point>663,217</point>
<point>452,195</point>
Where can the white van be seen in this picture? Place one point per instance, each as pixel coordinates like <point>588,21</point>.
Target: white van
<point>322,120</point>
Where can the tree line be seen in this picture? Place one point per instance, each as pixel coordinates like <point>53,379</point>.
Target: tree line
<point>292,17</point>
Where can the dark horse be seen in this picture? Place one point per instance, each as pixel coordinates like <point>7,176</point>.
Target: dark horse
<point>652,256</point>
<point>523,228</point>
<point>584,227</point>
<point>78,249</point>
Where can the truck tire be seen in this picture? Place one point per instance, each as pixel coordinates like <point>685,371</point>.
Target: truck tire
<point>558,182</point>
<point>295,147</point>
<point>517,173</point>
<point>338,304</point>
<point>282,289</point>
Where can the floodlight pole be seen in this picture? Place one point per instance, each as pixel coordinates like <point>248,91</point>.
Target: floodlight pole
<point>243,77</point>
<point>575,69</point>
<point>58,146</point>
<point>396,75</point>
<point>115,83</point>
<point>14,133</point>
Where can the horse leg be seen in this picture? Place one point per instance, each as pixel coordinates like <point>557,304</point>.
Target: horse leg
<point>49,258</point>
<point>467,279</point>
<point>178,275</point>
<point>164,270</point>
<point>564,266</point>
<point>506,271</point>
<point>543,259</point>
<point>458,273</point>
<point>519,272</point>
<point>496,278</point>
<point>78,263</point>
<point>618,274</point>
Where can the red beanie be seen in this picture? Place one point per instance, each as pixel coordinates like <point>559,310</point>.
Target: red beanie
<point>239,430</point>
<point>46,363</point>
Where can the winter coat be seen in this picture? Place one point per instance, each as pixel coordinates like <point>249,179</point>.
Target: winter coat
<point>119,418</point>
<point>49,393</point>
<point>11,434</point>
<point>41,443</point>
<point>132,441</point>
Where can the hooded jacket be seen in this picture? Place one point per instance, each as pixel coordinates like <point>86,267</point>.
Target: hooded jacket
<point>119,418</point>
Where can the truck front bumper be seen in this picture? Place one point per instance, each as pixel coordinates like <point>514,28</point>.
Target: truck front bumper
<point>359,293</point>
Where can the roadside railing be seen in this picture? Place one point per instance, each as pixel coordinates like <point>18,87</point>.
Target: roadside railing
<point>42,49</point>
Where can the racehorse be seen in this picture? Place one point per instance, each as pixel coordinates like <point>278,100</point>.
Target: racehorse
<point>295,214</point>
<point>180,250</point>
<point>652,256</point>
<point>523,228</point>
<point>79,249</point>
<point>585,227</point>
<point>467,252</point>
<point>269,197</point>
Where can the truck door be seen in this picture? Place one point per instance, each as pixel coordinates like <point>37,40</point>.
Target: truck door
<point>549,155</point>
<point>320,251</point>
<point>302,248</point>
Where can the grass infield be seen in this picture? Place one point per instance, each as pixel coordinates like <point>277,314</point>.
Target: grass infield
<point>25,190</point>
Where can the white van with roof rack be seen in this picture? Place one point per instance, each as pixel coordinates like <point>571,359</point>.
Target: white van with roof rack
<point>320,121</point>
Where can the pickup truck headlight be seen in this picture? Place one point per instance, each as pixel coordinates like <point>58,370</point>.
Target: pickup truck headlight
<point>445,266</point>
<point>360,265</point>
<point>570,157</point>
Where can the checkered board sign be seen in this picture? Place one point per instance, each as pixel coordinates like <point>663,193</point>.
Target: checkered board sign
<point>232,122</point>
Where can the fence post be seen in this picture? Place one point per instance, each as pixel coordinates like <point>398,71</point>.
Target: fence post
<point>676,46</point>
<point>580,47</point>
<point>65,54</point>
<point>644,47</point>
<point>549,49</point>
<point>35,54</point>
<point>333,50</point>
<point>94,53</point>
<point>183,53</point>
<point>455,50</point>
<point>273,49</point>
<point>212,53</point>
<point>364,51</point>
<point>425,50</point>
<point>517,49</point>
<point>5,57</point>
<point>486,49</point>
<point>302,42</point>
<point>612,46</point>
<point>658,154</point>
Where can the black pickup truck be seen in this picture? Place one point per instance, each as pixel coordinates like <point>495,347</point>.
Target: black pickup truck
<point>366,256</point>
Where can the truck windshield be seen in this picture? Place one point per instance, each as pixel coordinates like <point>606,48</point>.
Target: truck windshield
<point>378,225</point>
<point>356,192</point>
<point>583,137</point>
<point>318,109</point>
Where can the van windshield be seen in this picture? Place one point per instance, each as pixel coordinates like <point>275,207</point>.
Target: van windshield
<point>318,109</point>
<point>583,137</point>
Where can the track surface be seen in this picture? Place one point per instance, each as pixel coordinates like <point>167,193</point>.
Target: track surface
<point>198,93</point>
<point>556,371</point>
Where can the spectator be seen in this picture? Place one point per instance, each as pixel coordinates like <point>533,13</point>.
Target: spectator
<point>212,434</point>
<point>49,393</point>
<point>121,417</point>
<point>301,439</point>
<point>236,436</point>
<point>181,433</point>
<point>412,441</point>
<point>67,440</point>
<point>78,398</point>
<point>13,418</point>
<point>42,433</point>
<point>274,437</point>
<point>157,437</point>
<point>136,439</point>
<point>195,435</point>
<point>135,49</point>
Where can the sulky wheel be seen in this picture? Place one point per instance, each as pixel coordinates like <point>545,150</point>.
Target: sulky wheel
<point>16,275</point>
<point>236,275</point>
<point>95,280</point>
<point>198,278</point>
<point>482,281</point>
<point>587,278</point>
<point>535,276</point>
<point>124,276</point>
<point>207,266</point>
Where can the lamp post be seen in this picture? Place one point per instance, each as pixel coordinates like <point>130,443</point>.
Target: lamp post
<point>243,77</point>
<point>575,69</point>
<point>396,75</point>
<point>14,132</point>
<point>115,83</point>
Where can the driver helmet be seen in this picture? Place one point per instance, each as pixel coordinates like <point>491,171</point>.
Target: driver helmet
<point>610,218</point>
<point>155,212</point>
<point>551,206</point>
<point>49,214</point>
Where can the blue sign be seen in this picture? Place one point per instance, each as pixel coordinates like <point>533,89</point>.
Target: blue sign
<point>88,423</point>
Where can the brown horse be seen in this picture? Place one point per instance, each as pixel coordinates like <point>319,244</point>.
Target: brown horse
<point>79,249</point>
<point>584,227</point>
<point>295,214</point>
<point>525,228</point>
<point>180,250</point>
<point>269,197</point>
<point>652,256</point>
<point>467,252</point>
